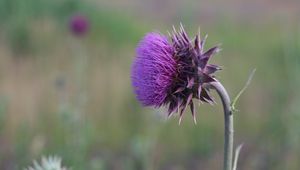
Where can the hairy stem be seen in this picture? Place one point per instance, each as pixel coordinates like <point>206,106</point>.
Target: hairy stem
<point>228,120</point>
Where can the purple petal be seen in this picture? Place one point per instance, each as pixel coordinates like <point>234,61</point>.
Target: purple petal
<point>153,69</point>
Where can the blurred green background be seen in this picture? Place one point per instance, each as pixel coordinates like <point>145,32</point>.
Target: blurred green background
<point>72,97</point>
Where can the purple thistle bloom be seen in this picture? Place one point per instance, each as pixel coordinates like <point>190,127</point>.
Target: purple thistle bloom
<point>173,73</point>
<point>79,25</point>
<point>153,70</point>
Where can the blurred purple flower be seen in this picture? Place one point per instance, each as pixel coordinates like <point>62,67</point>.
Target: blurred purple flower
<point>172,73</point>
<point>79,25</point>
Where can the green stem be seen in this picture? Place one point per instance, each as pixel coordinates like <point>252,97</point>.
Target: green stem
<point>228,120</point>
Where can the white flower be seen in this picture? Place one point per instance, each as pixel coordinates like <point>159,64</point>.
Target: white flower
<point>47,163</point>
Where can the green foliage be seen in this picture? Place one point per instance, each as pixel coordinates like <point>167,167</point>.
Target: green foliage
<point>3,112</point>
<point>17,17</point>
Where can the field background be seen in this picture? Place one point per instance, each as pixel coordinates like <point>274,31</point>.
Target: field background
<point>72,97</point>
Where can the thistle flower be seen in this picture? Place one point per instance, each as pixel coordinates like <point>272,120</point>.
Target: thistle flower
<point>173,73</point>
<point>79,25</point>
<point>48,163</point>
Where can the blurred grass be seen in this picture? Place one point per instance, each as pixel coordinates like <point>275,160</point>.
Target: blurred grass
<point>38,116</point>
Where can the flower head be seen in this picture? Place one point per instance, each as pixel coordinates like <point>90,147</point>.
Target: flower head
<point>48,163</point>
<point>173,73</point>
<point>79,25</point>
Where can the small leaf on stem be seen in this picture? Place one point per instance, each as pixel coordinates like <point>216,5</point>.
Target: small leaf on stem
<point>236,156</point>
<point>233,109</point>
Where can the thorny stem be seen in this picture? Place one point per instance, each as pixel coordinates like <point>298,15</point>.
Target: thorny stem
<point>228,120</point>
